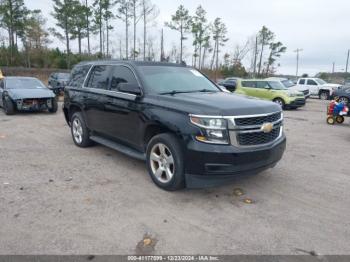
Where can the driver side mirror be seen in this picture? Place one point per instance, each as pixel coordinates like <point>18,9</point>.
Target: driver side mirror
<point>130,88</point>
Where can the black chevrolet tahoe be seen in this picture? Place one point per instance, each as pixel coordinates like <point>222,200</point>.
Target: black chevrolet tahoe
<point>189,132</point>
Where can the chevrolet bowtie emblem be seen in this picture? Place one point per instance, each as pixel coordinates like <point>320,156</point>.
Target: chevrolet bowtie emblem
<point>267,127</point>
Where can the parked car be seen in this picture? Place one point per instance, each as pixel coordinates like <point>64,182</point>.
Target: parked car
<point>291,85</point>
<point>271,90</point>
<point>25,94</point>
<point>229,83</point>
<point>58,81</point>
<point>189,132</point>
<point>318,87</point>
<point>343,94</point>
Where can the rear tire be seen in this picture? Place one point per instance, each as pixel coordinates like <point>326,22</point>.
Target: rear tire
<point>340,119</point>
<point>80,133</point>
<point>9,107</point>
<point>324,95</point>
<point>343,99</point>
<point>165,162</point>
<point>54,107</point>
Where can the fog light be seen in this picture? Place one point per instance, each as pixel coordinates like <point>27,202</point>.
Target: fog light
<point>215,134</point>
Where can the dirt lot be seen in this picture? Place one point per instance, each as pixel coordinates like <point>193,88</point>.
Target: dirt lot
<point>57,198</point>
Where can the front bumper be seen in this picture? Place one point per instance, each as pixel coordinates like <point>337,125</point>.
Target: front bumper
<point>298,102</point>
<point>211,165</point>
<point>33,104</point>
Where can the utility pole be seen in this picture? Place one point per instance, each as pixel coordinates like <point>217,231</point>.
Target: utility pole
<point>162,55</point>
<point>255,54</point>
<point>347,62</point>
<point>333,67</point>
<point>297,51</point>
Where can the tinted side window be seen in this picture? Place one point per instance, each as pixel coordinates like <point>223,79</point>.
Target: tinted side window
<point>99,77</point>
<point>311,82</point>
<point>248,84</point>
<point>302,82</point>
<point>2,85</point>
<point>122,74</point>
<point>262,84</point>
<point>78,75</point>
<point>230,82</point>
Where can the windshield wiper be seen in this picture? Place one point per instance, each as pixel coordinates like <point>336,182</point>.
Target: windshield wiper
<point>174,92</point>
<point>206,91</point>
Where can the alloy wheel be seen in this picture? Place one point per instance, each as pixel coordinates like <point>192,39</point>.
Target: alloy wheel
<point>77,131</point>
<point>344,100</point>
<point>324,96</point>
<point>162,163</point>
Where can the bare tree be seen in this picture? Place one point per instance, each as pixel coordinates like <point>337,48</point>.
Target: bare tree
<point>125,14</point>
<point>136,15</point>
<point>149,13</point>
<point>241,51</point>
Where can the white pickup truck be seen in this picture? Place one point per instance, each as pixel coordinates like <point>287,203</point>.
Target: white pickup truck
<point>318,87</point>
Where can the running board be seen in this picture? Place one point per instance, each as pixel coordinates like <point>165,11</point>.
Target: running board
<point>119,147</point>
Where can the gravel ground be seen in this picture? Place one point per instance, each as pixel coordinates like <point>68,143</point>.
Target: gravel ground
<point>56,198</point>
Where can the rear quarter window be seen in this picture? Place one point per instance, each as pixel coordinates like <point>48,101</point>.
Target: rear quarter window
<point>78,75</point>
<point>302,82</point>
<point>249,84</point>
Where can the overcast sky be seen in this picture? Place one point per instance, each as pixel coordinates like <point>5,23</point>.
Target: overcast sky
<point>319,27</point>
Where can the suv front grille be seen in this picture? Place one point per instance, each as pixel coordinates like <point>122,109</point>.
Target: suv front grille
<point>306,92</point>
<point>246,131</point>
<point>258,138</point>
<point>259,120</point>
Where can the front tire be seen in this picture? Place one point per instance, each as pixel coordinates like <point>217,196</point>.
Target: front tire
<point>165,162</point>
<point>9,107</point>
<point>280,101</point>
<point>324,95</point>
<point>330,120</point>
<point>79,130</point>
<point>54,106</point>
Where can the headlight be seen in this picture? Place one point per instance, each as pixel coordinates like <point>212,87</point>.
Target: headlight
<point>213,130</point>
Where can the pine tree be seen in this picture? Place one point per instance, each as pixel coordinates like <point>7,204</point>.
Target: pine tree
<point>64,13</point>
<point>265,37</point>
<point>12,18</point>
<point>199,30</point>
<point>181,22</point>
<point>219,32</point>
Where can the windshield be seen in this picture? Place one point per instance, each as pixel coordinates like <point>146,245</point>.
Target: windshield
<point>320,81</point>
<point>276,85</point>
<point>63,76</point>
<point>163,79</point>
<point>24,83</point>
<point>288,83</point>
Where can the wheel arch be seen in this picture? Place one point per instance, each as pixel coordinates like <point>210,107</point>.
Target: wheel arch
<point>323,90</point>
<point>68,112</point>
<point>154,129</point>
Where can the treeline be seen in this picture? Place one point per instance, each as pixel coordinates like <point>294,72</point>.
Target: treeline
<point>25,39</point>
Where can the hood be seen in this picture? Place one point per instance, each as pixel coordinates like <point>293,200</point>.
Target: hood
<point>30,93</point>
<point>299,88</point>
<point>334,86</point>
<point>216,104</point>
<point>293,92</point>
